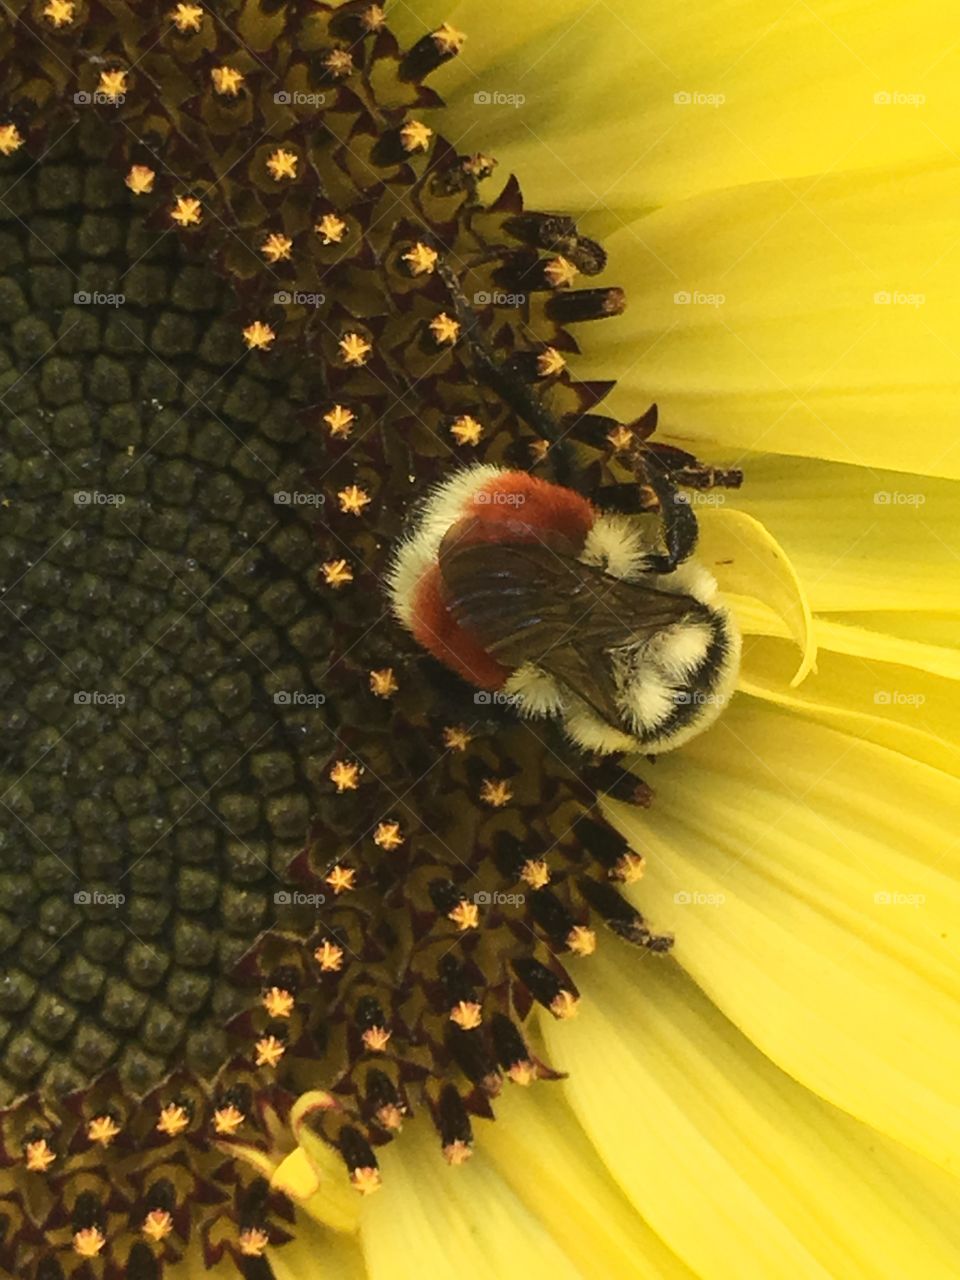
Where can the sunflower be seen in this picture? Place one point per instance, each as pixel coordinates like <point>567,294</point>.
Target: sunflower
<point>256,832</point>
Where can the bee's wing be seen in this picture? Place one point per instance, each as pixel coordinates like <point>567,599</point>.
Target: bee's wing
<point>535,602</point>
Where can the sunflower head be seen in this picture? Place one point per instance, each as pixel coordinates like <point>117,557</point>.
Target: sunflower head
<point>264,848</point>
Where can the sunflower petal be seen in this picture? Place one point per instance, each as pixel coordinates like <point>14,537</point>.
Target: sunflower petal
<point>831,873</point>
<point>740,1169</point>
<point>430,1220</point>
<point>887,702</point>
<point>923,640</point>
<point>541,1152</point>
<point>672,103</point>
<point>296,1177</point>
<point>747,560</point>
<point>317,1254</point>
<point>861,541</point>
<point>335,1204</point>
<point>814,322</point>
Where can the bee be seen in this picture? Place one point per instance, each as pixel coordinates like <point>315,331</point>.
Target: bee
<point>527,589</point>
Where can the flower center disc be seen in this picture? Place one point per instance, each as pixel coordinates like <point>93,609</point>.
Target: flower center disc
<point>159,562</point>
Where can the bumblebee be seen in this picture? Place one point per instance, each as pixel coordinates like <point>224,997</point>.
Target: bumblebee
<point>525,588</point>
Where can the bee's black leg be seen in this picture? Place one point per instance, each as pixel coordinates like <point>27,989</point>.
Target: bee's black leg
<point>677,521</point>
<point>655,488</point>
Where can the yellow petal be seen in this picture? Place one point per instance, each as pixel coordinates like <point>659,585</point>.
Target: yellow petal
<point>926,641</point>
<point>542,1154</point>
<point>335,1204</point>
<point>830,871</point>
<point>819,323</point>
<point>769,90</point>
<point>317,1254</point>
<point>890,703</point>
<point>747,560</point>
<point>296,1176</point>
<point>880,637</point>
<point>429,1220</point>
<point>740,1169</point>
<point>860,540</point>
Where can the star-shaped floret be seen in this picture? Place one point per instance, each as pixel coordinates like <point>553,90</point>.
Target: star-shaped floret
<point>415,136</point>
<point>282,164</point>
<point>11,139</point>
<point>383,683</point>
<point>113,84</point>
<point>258,336</point>
<point>339,419</point>
<point>466,430</point>
<point>187,18</point>
<point>331,229</point>
<point>276,247</point>
<point>59,12</point>
<point>353,499</point>
<point>445,329</point>
<point>550,362</point>
<point>227,81</point>
<point>465,915</point>
<point>345,775</point>
<point>186,211</point>
<point>355,349</point>
<point>268,1051</point>
<point>140,179</point>
<point>388,836</point>
<point>496,792</point>
<point>336,573</point>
